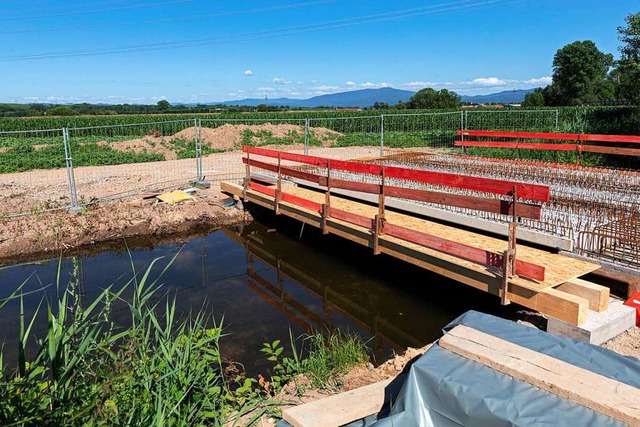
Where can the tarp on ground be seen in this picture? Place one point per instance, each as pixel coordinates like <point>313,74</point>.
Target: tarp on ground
<point>444,389</point>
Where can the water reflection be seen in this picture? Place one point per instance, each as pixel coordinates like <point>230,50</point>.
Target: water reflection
<point>260,284</point>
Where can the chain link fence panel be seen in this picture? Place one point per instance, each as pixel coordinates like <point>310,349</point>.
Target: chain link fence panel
<point>116,161</point>
<point>33,177</point>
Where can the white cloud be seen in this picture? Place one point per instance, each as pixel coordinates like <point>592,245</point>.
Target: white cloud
<point>280,81</point>
<point>248,73</point>
<point>350,84</point>
<point>480,85</point>
<point>542,81</point>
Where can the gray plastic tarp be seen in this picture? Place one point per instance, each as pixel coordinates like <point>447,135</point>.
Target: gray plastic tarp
<point>444,389</point>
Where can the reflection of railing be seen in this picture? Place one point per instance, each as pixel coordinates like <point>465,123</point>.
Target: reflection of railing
<point>499,196</point>
<point>384,334</point>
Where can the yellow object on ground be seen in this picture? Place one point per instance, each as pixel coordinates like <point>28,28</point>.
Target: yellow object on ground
<point>174,197</point>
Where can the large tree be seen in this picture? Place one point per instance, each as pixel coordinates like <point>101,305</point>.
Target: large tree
<point>580,75</point>
<point>431,98</point>
<point>627,72</point>
<point>534,99</point>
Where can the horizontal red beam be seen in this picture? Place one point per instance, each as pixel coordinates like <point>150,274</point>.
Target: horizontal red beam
<point>520,145</point>
<point>463,251</point>
<point>632,139</point>
<point>610,150</point>
<point>351,218</point>
<point>286,171</point>
<point>494,186</point>
<point>469,202</point>
<point>355,186</point>
<point>487,185</point>
<point>286,197</point>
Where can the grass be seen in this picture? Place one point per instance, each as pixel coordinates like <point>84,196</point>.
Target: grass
<point>161,369</point>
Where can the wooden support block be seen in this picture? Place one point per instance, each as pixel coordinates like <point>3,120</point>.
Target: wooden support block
<point>598,296</point>
<point>598,393</point>
<point>339,409</point>
<point>621,284</point>
<point>552,302</point>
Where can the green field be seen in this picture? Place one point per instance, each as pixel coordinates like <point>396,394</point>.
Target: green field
<point>92,137</point>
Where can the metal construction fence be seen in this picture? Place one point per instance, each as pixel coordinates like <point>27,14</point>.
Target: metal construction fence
<point>67,168</point>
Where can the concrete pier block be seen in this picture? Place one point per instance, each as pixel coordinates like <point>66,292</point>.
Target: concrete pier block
<point>599,327</point>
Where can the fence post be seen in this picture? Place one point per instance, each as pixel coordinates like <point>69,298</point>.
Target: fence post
<point>306,135</point>
<point>198,145</point>
<point>381,135</point>
<point>71,179</point>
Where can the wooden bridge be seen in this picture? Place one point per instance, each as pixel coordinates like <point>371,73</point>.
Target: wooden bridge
<point>535,278</point>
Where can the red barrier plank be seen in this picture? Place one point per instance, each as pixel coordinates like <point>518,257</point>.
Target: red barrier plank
<point>495,186</point>
<point>632,139</point>
<point>271,191</point>
<point>351,218</point>
<point>521,145</point>
<point>356,167</point>
<point>284,155</point>
<point>610,150</point>
<point>261,165</point>
<point>309,204</point>
<point>311,177</point>
<point>469,202</point>
<point>355,186</point>
<point>461,250</point>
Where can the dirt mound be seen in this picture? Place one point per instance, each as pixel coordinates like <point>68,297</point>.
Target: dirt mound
<point>232,137</point>
<point>147,144</point>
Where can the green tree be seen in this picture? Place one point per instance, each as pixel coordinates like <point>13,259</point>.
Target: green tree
<point>431,98</point>
<point>580,75</point>
<point>163,105</point>
<point>262,108</point>
<point>627,73</point>
<point>61,110</point>
<point>534,99</point>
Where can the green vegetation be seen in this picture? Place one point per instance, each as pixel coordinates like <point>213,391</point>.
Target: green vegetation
<point>160,369</point>
<point>627,72</point>
<point>328,356</point>
<point>431,98</point>
<point>23,157</point>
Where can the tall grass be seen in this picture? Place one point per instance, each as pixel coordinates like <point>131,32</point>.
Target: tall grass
<point>86,370</point>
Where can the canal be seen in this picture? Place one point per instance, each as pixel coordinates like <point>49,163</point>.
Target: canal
<point>260,281</point>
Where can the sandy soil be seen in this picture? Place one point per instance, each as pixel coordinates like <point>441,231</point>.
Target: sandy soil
<point>60,231</point>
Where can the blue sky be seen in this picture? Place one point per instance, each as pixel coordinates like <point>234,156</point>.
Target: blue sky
<point>201,51</point>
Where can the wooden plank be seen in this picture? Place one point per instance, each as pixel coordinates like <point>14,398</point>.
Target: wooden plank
<point>621,284</point>
<point>285,155</point>
<point>552,302</point>
<point>309,204</point>
<point>357,167</point>
<point>597,392</point>
<point>495,186</point>
<point>295,173</point>
<point>518,145</point>
<point>630,139</point>
<point>611,150</point>
<point>339,409</point>
<point>270,191</point>
<point>461,250</point>
<point>351,218</point>
<point>362,187</point>
<point>598,296</point>
<point>260,165</point>
<point>503,207</point>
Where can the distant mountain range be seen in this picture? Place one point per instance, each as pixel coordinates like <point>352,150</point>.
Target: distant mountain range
<point>367,97</point>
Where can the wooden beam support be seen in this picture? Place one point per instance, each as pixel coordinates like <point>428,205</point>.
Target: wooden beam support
<point>597,295</point>
<point>583,387</point>
<point>339,409</point>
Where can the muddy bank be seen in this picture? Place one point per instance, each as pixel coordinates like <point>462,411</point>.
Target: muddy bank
<point>61,232</point>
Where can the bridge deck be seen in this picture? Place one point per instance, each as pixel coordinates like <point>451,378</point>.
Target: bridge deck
<point>538,295</point>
